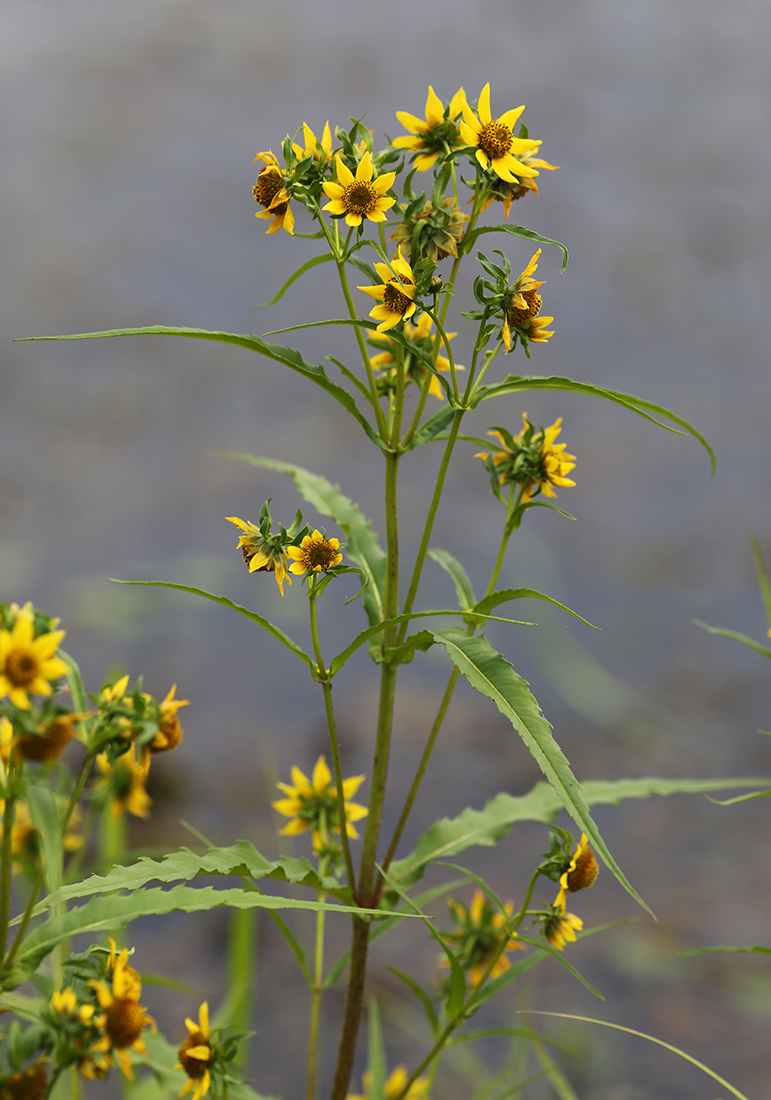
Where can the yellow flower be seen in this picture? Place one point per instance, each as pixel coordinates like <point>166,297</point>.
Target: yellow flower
<point>496,146</point>
<point>521,304</point>
<point>27,664</point>
<point>312,804</point>
<point>394,1086</point>
<point>437,135</point>
<point>125,1019</point>
<point>580,874</point>
<point>561,927</point>
<point>171,733</point>
<point>420,335</point>
<point>6,740</point>
<point>124,782</point>
<point>359,196</point>
<point>196,1055</point>
<point>531,459</point>
<point>259,554</point>
<point>270,191</point>
<point>52,738</point>
<point>315,554</point>
<point>395,293</point>
<point>311,149</point>
<point>479,936</point>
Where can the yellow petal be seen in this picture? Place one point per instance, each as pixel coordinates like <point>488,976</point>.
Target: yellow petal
<point>483,107</point>
<point>322,776</point>
<point>434,109</point>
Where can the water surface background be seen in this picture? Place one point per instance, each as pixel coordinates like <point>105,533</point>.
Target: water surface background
<point>128,135</point>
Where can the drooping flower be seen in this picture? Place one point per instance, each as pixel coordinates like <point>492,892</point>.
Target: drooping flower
<point>421,337</point>
<point>394,1086</point>
<point>360,196</point>
<point>561,927</point>
<point>496,146</point>
<point>531,459</point>
<point>196,1055</point>
<point>312,804</point>
<point>170,733</point>
<point>435,136</point>
<point>435,232</point>
<point>580,873</point>
<point>28,665</point>
<point>521,304</point>
<point>312,147</point>
<point>396,293</point>
<point>478,936</point>
<point>260,553</point>
<point>124,783</point>
<point>270,191</point>
<point>315,554</point>
<point>125,1019</point>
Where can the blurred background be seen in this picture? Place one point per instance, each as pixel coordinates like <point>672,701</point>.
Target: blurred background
<point>129,132</point>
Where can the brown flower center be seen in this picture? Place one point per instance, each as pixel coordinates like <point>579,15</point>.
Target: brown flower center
<point>360,197</point>
<point>319,556</point>
<point>518,316</point>
<point>27,1084</point>
<point>193,1067</point>
<point>585,872</point>
<point>395,299</point>
<point>48,746</point>
<point>495,139</point>
<point>126,1020</point>
<point>169,735</point>
<point>269,183</point>
<point>21,667</point>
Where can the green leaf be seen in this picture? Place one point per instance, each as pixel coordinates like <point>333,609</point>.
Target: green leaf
<point>79,697</point>
<point>739,798</point>
<point>516,231</point>
<point>431,428</point>
<point>362,546</point>
<point>511,1032</point>
<point>276,631</point>
<point>277,352</point>
<point>294,946</point>
<point>241,858</point>
<point>736,637</point>
<point>118,910</point>
<point>492,675</point>
<point>420,993</point>
<point>463,586</point>
<point>753,949</point>
<point>517,383</point>
<point>376,1054</point>
<point>403,654</point>
<point>295,276</point>
<point>504,595</point>
<point>451,836</point>
<point>350,322</point>
<point>765,586</point>
<point>45,818</point>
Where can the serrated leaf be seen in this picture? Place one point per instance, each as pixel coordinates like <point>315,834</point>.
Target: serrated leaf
<point>491,674</point>
<point>314,262</point>
<point>362,546</point>
<point>504,595</point>
<point>241,858</point>
<point>277,352</point>
<point>276,631</point>
<point>463,587</point>
<point>519,383</point>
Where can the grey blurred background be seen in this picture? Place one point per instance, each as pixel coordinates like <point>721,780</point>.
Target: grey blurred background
<point>128,138</point>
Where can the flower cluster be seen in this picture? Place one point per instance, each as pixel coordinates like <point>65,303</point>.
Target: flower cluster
<point>516,303</point>
<point>481,936</point>
<point>264,551</point>
<point>532,460</point>
<point>418,350</point>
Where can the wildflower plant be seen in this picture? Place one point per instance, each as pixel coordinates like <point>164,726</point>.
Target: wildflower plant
<point>351,198</point>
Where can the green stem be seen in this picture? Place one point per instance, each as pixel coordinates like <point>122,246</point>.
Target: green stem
<point>354,1000</point>
<point>6,870</point>
<point>241,944</point>
<point>524,910</point>
<point>317,989</point>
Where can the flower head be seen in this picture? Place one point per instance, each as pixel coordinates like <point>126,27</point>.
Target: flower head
<point>170,733</point>
<point>312,804</point>
<point>580,873</point>
<point>320,150</point>
<point>531,459</point>
<point>479,934</point>
<point>437,135</point>
<point>560,927</point>
<point>28,665</point>
<point>521,304</point>
<point>270,192</point>
<point>30,1083</point>
<point>420,336</point>
<point>124,783</point>
<point>360,196</point>
<point>315,554</point>
<point>394,1086</point>
<point>124,1018</point>
<point>494,141</point>
<point>396,293</point>
<point>196,1055</point>
<point>435,232</point>
<point>262,550</point>
<point>49,742</point>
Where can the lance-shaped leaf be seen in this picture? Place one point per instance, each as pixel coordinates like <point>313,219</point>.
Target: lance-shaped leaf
<point>362,544</point>
<point>515,231</point>
<point>241,858</point>
<point>492,675</point>
<point>276,631</point>
<point>118,910</point>
<point>313,262</point>
<point>517,384</point>
<point>277,352</point>
<point>451,836</point>
<point>463,587</point>
<point>504,595</point>
<point>736,637</point>
<point>432,427</point>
